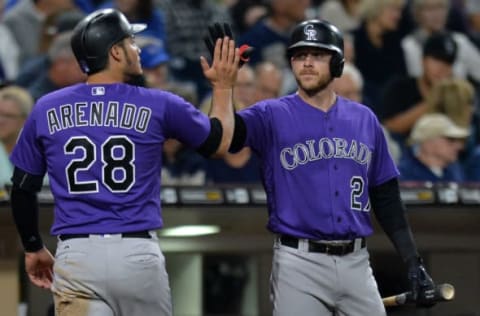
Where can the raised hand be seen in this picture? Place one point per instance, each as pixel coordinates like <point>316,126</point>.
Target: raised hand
<point>222,73</point>
<point>217,31</point>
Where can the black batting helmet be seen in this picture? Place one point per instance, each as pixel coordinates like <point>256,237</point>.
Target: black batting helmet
<point>96,34</point>
<point>321,34</point>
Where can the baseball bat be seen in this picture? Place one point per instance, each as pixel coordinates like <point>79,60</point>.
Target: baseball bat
<point>443,292</point>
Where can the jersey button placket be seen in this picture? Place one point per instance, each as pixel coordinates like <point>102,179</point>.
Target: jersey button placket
<point>328,132</point>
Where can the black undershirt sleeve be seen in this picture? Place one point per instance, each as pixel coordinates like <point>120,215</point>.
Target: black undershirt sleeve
<point>24,203</point>
<point>210,145</point>
<point>390,213</point>
<point>239,135</point>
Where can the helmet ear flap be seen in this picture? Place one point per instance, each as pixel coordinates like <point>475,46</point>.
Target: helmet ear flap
<point>336,65</point>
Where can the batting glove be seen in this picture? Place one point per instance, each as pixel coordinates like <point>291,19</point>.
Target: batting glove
<point>217,31</point>
<point>422,286</point>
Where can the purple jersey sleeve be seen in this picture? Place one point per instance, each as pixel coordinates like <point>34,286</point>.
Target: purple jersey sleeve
<point>181,118</point>
<point>317,166</point>
<point>102,148</point>
<point>27,153</point>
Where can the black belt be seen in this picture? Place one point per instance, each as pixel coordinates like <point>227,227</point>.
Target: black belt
<point>139,234</point>
<point>339,249</point>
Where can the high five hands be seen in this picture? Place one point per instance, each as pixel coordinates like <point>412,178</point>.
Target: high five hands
<point>216,31</point>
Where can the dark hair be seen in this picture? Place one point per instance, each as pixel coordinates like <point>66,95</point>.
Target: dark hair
<point>441,46</point>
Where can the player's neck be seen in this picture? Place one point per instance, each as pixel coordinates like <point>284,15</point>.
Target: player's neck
<point>322,100</point>
<point>105,77</point>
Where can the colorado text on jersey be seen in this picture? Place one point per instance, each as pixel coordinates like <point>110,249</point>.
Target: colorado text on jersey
<point>300,154</point>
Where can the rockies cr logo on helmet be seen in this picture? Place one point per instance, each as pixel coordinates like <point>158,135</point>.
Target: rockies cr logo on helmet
<point>320,34</point>
<point>310,32</point>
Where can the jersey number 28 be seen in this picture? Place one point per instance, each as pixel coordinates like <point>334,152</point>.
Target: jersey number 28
<point>117,154</point>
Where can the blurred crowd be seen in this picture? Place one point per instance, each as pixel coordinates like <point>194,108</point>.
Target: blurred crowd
<point>414,63</point>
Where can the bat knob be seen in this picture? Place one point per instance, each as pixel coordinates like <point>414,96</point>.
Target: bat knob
<point>446,292</point>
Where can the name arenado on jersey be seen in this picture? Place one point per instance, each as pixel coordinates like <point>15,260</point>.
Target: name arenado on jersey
<point>77,115</point>
<point>325,148</point>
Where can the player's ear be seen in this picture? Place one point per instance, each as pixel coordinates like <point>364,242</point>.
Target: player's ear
<point>116,52</point>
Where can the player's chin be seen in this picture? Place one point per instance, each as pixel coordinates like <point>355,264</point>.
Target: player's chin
<point>309,85</point>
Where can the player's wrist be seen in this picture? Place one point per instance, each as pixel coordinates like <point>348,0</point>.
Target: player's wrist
<point>227,87</point>
<point>33,243</point>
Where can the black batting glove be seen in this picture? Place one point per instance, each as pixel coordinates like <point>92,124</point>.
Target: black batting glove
<point>422,287</point>
<point>217,31</point>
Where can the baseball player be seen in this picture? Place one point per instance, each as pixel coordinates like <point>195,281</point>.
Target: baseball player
<point>325,167</point>
<point>101,143</point>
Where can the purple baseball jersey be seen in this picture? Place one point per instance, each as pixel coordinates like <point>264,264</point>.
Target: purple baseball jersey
<point>101,146</point>
<point>318,166</point>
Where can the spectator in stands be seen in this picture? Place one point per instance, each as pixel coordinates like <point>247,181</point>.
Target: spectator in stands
<point>26,22</point>
<point>155,61</point>
<point>53,25</point>
<point>404,98</point>
<point>455,98</point>
<point>473,14</point>
<point>436,142</point>
<point>63,69</point>
<point>182,165</point>
<point>37,66</point>
<point>378,54</point>
<point>141,11</point>
<point>431,17</point>
<point>244,92</point>
<point>270,36</point>
<point>15,105</point>
<point>86,6</point>
<point>344,13</point>
<point>246,13</point>
<point>350,86</point>
<point>187,23</point>
<point>348,48</point>
<point>9,55</point>
<point>268,81</point>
